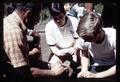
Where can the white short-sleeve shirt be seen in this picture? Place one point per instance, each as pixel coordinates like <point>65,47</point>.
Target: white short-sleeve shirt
<point>103,53</point>
<point>63,37</point>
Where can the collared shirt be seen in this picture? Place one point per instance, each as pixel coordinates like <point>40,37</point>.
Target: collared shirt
<point>15,43</point>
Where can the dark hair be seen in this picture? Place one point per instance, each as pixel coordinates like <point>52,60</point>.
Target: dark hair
<point>10,8</point>
<point>56,8</point>
<point>24,6</point>
<point>33,16</point>
<point>33,7</point>
<point>90,23</point>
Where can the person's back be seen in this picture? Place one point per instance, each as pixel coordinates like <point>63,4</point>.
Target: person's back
<point>11,29</point>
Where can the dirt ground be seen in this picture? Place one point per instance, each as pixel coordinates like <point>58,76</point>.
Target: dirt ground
<point>44,47</point>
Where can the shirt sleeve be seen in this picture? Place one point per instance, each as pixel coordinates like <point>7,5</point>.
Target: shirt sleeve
<point>80,43</point>
<point>75,25</point>
<point>49,36</point>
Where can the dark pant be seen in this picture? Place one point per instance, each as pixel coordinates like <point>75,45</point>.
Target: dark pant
<point>35,62</point>
<point>102,68</point>
<point>18,73</point>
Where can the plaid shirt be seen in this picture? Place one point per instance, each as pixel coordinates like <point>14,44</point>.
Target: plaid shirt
<point>15,43</point>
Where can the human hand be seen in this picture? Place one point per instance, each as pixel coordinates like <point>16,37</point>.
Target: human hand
<point>82,74</point>
<point>90,75</point>
<point>35,33</point>
<point>58,70</point>
<point>60,53</point>
<point>72,50</point>
<point>36,72</point>
<point>69,69</point>
<point>86,74</point>
<point>34,51</point>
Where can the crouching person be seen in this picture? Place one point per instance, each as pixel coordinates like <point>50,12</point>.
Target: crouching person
<point>99,43</point>
<point>39,68</point>
<point>62,38</point>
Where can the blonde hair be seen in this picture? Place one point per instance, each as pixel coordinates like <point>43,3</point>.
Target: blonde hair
<point>90,23</point>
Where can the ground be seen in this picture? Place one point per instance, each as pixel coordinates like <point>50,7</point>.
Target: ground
<point>45,50</point>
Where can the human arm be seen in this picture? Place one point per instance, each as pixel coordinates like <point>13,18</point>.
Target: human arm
<point>51,41</point>
<point>32,32</point>
<point>84,64</point>
<point>34,45</point>
<point>34,51</point>
<point>71,50</point>
<point>104,74</point>
<point>55,71</point>
<point>75,47</point>
<point>57,51</point>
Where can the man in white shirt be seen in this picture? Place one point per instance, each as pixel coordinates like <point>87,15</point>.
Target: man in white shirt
<point>61,36</point>
<point>100,44</point>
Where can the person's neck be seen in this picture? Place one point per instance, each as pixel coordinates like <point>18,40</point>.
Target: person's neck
<point>66,18</point>
<point>101,37</point>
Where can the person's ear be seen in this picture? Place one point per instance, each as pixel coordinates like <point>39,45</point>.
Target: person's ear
<point>26,16</point>
<point>27,13</point>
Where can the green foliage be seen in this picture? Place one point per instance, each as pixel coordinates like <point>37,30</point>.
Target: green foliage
<point>98,8</point>
<point>44,15</point>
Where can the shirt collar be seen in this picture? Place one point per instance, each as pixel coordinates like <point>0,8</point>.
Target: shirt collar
<point>19,19</point>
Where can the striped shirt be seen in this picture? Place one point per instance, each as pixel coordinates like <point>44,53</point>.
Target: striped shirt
<point>15,44</point>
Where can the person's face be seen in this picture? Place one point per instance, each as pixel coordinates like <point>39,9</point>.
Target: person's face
<point>32,19</point>
<point>60,19</point>
<point>92,37</point>
<point>67,7</point>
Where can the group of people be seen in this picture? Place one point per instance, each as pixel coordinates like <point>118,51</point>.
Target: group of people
<point>79,49</point>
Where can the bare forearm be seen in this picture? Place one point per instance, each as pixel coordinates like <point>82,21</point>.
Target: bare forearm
<point>34,51</point>
<point>56,51</point>
<point>84,60</point>
<point>84,63</point>
<point>107,73</point>
<point>43,73</point>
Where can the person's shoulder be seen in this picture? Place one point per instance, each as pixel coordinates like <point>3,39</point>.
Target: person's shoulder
<point>10,19</point>
<point>50,23</point>
<point>72,18</point>
<point>7,17</point>
<point>110,30</point>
